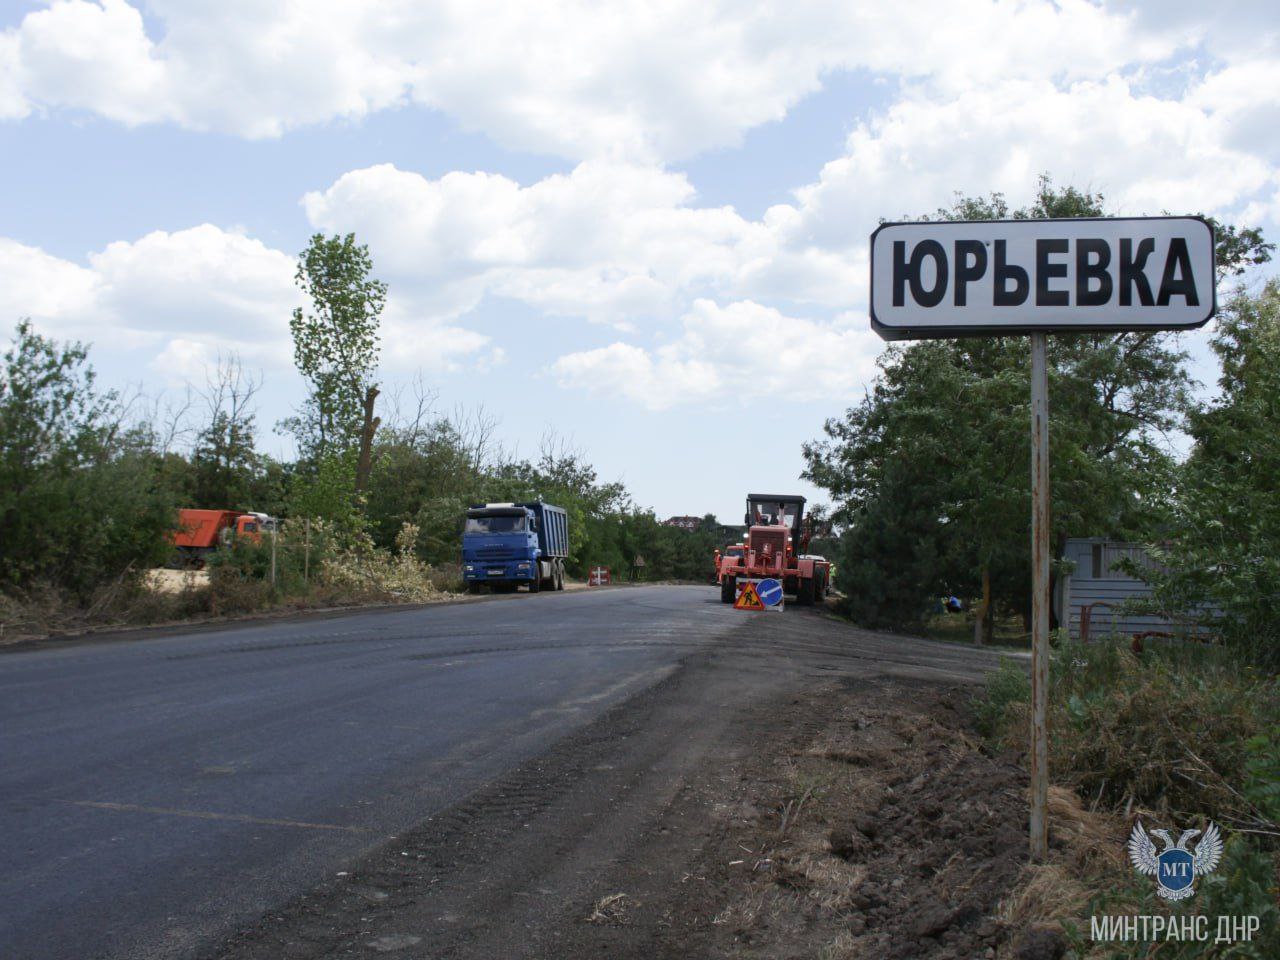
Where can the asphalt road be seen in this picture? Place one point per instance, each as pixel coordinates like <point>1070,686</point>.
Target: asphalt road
<point>157,794</point>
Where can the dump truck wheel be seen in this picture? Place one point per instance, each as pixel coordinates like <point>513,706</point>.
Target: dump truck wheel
<point>536,583</point>
<point>559,576</point>
<point>728,587</point>
<point>473,588</point>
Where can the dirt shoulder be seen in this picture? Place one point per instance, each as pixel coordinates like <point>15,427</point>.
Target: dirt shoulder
<point>14,640</point>
<point>804,791</point>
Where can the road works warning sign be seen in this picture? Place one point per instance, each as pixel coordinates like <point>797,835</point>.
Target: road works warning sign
<point>748,599</point>
<point>956,278</point>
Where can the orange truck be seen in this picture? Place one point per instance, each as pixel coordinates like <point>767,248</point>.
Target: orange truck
<point>201,532</point>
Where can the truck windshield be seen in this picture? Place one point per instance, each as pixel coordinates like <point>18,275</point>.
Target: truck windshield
<point>773,511</point>
<point>508,523</point>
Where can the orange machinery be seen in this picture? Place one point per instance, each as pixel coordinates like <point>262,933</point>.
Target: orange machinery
<point>778,534</point>
<point>201,532</point>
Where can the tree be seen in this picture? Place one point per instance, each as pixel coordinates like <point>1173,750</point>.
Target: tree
<point>80,497</point>
<point>224,460</point>
<point>336,351</point>
<point>930,472</point>
<point>1221,558</point>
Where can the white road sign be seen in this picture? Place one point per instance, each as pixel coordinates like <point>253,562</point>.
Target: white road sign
<point>996,277</point>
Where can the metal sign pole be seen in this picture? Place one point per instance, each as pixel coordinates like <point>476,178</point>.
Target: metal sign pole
<point>1039,596</point>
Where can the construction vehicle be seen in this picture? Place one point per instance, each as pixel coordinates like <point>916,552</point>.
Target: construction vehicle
<point>505,545</point>
<point>201,532</point>
<point>730,550</point>
<point>778,534</point>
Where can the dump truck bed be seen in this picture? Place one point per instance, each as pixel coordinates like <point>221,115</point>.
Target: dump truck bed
<point>200,528</point>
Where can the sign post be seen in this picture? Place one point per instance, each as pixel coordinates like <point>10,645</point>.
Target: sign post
<point>1039,596</point>
<point>1036,277</point>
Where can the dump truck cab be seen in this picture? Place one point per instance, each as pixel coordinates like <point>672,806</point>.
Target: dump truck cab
<point>505,545</point>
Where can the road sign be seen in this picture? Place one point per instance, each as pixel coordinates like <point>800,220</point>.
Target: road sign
<point>1003,277</point>
<point>598,577</point>
<point>748,599</point>
<point>770,592</point>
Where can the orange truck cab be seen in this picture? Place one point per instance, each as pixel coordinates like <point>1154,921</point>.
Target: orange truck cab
<point>201,532</point>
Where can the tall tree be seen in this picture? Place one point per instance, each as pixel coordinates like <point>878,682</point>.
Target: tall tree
<point>336,349</point>
<point>224,460</point>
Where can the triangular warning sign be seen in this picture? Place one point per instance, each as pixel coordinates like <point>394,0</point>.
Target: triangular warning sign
<point>748,599</point>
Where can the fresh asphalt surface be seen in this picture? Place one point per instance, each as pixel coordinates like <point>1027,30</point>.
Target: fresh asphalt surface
<point>159,793</point>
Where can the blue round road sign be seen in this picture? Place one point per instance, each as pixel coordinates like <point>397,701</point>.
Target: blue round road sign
<point>770,592</point>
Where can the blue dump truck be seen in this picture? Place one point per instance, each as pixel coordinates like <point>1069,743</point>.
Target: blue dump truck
<point>507,544</point>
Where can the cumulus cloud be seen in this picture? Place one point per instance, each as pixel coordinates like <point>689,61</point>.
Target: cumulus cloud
<point>181,298</point>
<point>608,241</point>
<point>36,284</point>
<point>159,294</point>
<point>643,82</point>
<point>617,242</point>
<point>1145,154</point>
<point>983,97</point>
<point>728,356</point>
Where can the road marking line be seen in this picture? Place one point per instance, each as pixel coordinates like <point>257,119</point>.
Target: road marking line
<point>209,815</point>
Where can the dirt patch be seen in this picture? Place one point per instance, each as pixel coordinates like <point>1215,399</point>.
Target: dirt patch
<point>888,833</point>
<point>175,581</point>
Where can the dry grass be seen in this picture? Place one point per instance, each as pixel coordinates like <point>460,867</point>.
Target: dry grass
<point>843,947</point>
<point>615,908</point>
<point>1090,858</point>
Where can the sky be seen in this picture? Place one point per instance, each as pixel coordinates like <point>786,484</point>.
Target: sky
<point>640,227</point>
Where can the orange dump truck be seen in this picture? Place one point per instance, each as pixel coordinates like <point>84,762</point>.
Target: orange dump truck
<point>201,532</point>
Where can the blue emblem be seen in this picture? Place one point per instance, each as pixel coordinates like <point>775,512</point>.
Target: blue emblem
<point>770,592</point>
<point>1175,868</point>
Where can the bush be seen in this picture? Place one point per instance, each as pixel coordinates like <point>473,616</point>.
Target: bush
<point>1183,729</point>
<point>1009,685</point>
<point>1167,730</point>
<point>82,502</point>
<point>364,573</point>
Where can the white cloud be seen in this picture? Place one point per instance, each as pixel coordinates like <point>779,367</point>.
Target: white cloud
<point>92,57</point>
<point>161,295</point>
<point>1146,155</point>
<point>13,102</point>
<point>617,242</point>
<point>179,299</point>
<point>728,356</point>
<point>986,96</point>
<point>203,278</point>
<point>643,82</point>
<point>607,241</point>
<point>36,284</point>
